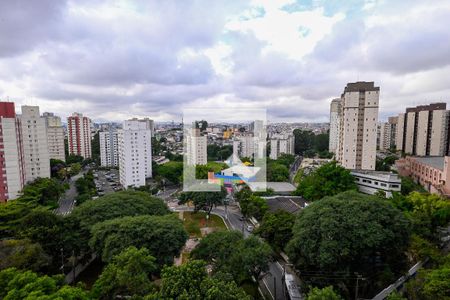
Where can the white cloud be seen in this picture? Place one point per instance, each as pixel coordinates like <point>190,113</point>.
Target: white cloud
<point>113,60</point>
<point>294,34</point>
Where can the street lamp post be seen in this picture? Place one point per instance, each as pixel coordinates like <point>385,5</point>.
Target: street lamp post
<point>62,260</point>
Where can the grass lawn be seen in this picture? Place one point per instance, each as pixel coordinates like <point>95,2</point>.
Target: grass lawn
<point>193,222</point>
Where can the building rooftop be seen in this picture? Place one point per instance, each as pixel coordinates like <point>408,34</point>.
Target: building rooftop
<point>292,204</point>
<point>361,86</point>
<point>436,162</point>
<point>242,171</point>
<point>277,187</point>
<point>380,175</point>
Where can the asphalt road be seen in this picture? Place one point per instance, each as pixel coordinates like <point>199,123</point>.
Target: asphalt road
<point>67,202</point>
<point>233,217</point>
<point>273,280</point>
<point>167,194</point>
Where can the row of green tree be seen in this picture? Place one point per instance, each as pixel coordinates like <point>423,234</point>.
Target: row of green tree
<point>85,187</point>
<point>343,232</point>
<point>309,144</point>
<point>130,274</point>
<point>137,237</point>
<point>278,170</point>
<point>42,193</point>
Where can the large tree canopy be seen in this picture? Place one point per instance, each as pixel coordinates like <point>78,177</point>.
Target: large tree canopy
<point>22,254</point>
<point>328,180</point>
<point>348,233</point>
<point>49,230</point>
<point>116,205</point>
<point>326,293</point>
<point>276,228</point>
<point>308,144</point>
<point>172,171</point>
<point>203,200</point>
<point>190,281</point>
<point>19,285</point>
<point>163,236</point>
<point>128,274</point>
<point>230,253</point>
<point>108,207</point>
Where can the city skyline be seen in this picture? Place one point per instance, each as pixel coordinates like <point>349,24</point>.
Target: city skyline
<point>118,60</point>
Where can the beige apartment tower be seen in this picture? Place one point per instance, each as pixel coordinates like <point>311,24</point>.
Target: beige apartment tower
<point>335,112</point>
<point>386,134</point>
<point>358,126</point>
<point>424,130</point>
<point>55,135</point>
<point>196,146</point>
<point>35,144</point>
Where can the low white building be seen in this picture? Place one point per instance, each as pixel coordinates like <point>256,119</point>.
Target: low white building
<point>135,153</point>
<point>370,182</point>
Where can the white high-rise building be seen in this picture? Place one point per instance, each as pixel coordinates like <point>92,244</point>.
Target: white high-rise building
<point>109,151</point>
<point>281,144</point>
<point>384,136</point>
<point>55,135</point>
<point>35,144</point>
<point>196,145</point>
<point>358,126</point>
<point>79,135</point>
<point>244,146</point>
<point>335,112</point>
<point>12,177</point>
<point>135,153</point>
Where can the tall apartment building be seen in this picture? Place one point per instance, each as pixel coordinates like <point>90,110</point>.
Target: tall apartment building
<point>281,144</point>
<point>386,134</point>
<point>55,136</point>
<point>335,112</point>
<point>196,145</point>
<point>12,175</point>
<point>383,136</point>
<point>35,144</point>
<point>424,130</point>
<point>358,126</point>
<point>392,121</point>
<point>79,135</point>
<point>135,153</point>
<point>109,151</point>
<point>244,145</point>
<point>151,124</point>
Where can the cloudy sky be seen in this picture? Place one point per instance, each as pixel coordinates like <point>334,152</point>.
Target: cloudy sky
<point>112,60</point>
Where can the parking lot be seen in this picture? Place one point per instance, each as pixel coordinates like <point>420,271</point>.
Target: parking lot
<point>107,182</point>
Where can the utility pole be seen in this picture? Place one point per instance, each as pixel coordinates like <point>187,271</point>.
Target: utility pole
<point>275,287</point>
<point>62,260</point>
<point>73,264</point>
<point>358,278</point>
<point>225,202</point>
